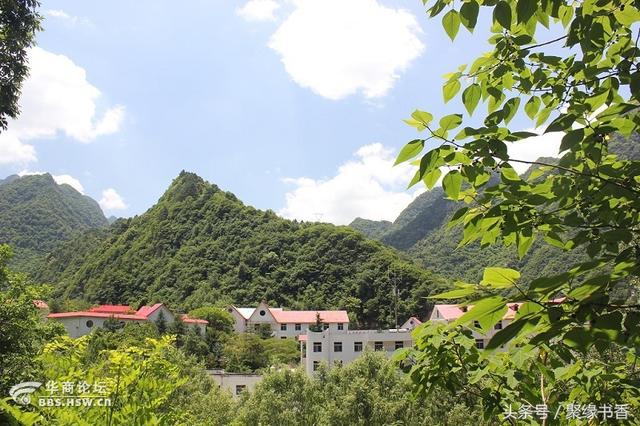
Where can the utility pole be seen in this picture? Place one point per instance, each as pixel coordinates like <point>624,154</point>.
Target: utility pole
<point>395,296</point>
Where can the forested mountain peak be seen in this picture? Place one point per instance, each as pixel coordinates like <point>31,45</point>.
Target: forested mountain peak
<point>36,214</point>
<point>200,245</point>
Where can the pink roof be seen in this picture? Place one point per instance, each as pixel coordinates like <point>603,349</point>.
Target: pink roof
<point>40,304</point>
<point>453,312</point>
<point>145,311</point>
<point>185,318</point>
<point>416,321</point>
<point>113,309</point>
<point>302,338</point>
<point>97,315</point>
<point>309,317</point>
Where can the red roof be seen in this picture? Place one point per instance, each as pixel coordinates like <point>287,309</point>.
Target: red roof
<point>453,312</point>
<point>185,318</point>
<point>309,317</point>
<point>113,309</point>
<point>97,315</point>
<point>145,311</point>
<point>302,338</point>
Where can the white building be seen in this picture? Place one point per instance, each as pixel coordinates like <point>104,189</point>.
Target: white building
<point>285,323</point>
<point>236,383</point>
<point>333,347</point>
<point>83,322</point>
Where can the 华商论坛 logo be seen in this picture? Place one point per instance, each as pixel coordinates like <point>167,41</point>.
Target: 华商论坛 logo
<point>21,393</point>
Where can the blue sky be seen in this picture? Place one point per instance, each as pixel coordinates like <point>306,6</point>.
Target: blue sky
<point>293,105</point>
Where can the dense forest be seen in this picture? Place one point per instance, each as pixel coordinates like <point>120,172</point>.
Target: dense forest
<point>36,214</point>
<point>200,245</point>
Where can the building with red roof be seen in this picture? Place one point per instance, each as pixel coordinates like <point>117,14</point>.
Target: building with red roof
<point>284,323</point>
<point>83,322</point>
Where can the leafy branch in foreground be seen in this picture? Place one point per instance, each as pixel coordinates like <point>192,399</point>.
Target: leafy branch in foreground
<point>587,90</point>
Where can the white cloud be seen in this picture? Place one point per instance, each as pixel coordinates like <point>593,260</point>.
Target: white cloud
<point>530,149</point>
<point>258,10</point>
<point>65,17</point>
<point>111,200</point>
<point>337,48</point>
<point>60,179</point>
<point>57,97</point>
<point>368,186</point>
<point>13,151</point>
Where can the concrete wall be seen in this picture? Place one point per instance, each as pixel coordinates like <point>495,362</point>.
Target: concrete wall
<point>326,342</point>
<point>79,326</point>
<point>233,382</point>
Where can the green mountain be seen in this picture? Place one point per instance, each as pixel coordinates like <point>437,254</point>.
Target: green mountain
<point>37,214</point>
<point>199,244</point>
<point>421,231</point>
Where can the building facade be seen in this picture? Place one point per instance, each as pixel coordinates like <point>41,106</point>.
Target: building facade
<point>83,322</point>
<point>286,324</point>
<point>332,347</point>
<point>236,383</point>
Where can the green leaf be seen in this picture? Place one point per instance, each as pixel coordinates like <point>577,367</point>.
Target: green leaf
<point>490,307</point>
<point>509,174</point>
<point>524,240</point>
<point>450,89</point>
<point>422,116</point>
<point>450,121</point>
<point>455,294</point>
<point>562,123</point>
<point>469,14</point>
<point>409,151</point>
<point>513,330</point>
<point>499,277</point>
<point>510,108</point>
<point>431,178</point>
<point>452,183</point>
<point>502,14</point>
<point>526,9</point>
<point>532,106</point>
<point>471,97</point>
<point>451,23</point>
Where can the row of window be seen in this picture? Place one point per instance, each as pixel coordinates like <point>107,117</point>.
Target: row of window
<point>357,346</point>
<point>298,327</point>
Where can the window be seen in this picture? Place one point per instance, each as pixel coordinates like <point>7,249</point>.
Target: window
<point>399,345</point>
<point>337,346</point>
<point>357,346</point>
<point>476,324</point>
<point>89,323</point>
<point>262,313</point>
<point>298,327</point>
<point>340,326</point>
<point>479,343</point>
<point>283,337</point>
<point>240,389</point>
<point>316,364</point>
<point>317,346</point>
<point>378,346</point>
<point>498,325</point>
<point>283,327</point>
<point>230,310</point>
<point>304,350</point>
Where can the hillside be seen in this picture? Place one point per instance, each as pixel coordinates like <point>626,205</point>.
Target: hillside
<point>199,244</point>
<point>36,214</point>
<point>420,230</point>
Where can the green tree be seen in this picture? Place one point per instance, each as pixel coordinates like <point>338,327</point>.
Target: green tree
<point>22,329</point>
<point>582,82</point>
<point>19,22</point>
<point>161,323</point>
<point>244,353</point>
